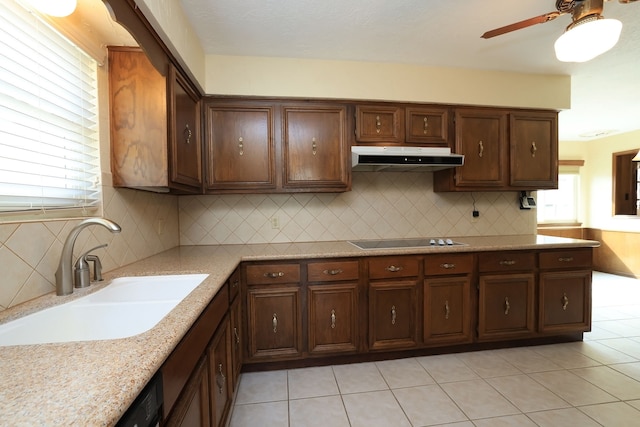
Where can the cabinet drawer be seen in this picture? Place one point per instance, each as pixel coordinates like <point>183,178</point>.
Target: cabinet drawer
<point>506,261</point>
<point>272,273</point>
<point>436,265</point>
<point>332,271</point>
<point>565,259</point>
<point>391,267</point>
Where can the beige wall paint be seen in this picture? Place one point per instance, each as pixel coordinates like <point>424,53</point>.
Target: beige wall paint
<point>383,81</point>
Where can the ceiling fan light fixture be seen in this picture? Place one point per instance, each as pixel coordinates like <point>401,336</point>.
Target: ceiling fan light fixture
<point>58,8</point>
<point>586,39</point>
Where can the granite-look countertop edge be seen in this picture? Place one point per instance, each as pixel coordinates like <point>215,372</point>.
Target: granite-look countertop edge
<point>94,382</point>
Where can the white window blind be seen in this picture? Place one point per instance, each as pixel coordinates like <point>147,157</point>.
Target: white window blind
<point>49,153</point>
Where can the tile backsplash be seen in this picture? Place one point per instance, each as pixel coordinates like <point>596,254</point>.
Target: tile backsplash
<point>30,251</point>
<point>381,205</point>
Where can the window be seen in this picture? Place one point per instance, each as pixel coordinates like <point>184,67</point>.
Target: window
<point>49,153</point>
<point>561,205</point>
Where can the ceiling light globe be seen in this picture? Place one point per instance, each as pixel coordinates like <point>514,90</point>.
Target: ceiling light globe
<point>585,41</point>
<point>59,8</point>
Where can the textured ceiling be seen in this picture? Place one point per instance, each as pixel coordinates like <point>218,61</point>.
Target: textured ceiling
<point>605,91</point>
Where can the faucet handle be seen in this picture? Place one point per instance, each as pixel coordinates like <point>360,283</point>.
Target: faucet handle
<point>81,268</point>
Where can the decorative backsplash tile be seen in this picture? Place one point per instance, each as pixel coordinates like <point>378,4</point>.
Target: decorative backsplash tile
<point>381,205</point>
<point>30,251</point>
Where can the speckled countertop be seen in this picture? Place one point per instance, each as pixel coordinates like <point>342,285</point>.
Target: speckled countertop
<point>92,383</point>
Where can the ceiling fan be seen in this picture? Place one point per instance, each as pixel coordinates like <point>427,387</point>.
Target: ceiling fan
<point>588,35</point>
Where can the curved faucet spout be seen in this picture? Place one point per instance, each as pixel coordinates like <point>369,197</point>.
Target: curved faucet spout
<point>64,274</point>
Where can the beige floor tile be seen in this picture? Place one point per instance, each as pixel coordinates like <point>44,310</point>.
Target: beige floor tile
<point>611,381</point>
<point>461,424</point>
<point>272,414</point>
<point>488,364</point>
<point>600,352</point>
<point>562,418</point>
<point>572,388</point>
<point>258,387</point>
<point>318,412</point>
<point>477,399</point>
<point>613,414</point>
<point>565,356</point>
<point>400,373</point>
<point>527,360</point>
<point>359,377</point>
<point>428,405</point>
<point>312,382</point>
<point>374,409</point>
<point>526,394</point>
<point>629,369</point>
<point>625,345</point>
<point>447,368</point>
<point>508,421</point>
<point>634,403</point>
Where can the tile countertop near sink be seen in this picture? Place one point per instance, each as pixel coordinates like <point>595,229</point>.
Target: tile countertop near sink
<point>94,382</point>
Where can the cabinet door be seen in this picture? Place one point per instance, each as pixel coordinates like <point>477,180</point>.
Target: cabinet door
<point>392,315</point>
<point>506,306</point>
<point>333,318</point>
<point>316,148</point>
<point>235,315</point>
<point>481,137</point>
<point>447,310</point>
<point>240,148</point>
<point>219,373</point>
<point>565,301</point>
<point>192,408</point>
<point>138,105</point>
<point>534,150</point>
<point>427,126</point>
<point>378,123</point>
<point>274,320</point>
<point>185,144</point>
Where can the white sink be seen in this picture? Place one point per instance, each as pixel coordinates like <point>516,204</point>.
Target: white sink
<point>126,307</point>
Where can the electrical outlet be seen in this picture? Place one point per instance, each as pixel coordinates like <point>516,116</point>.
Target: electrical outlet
<point>475,216</point>
<point>275,223</point>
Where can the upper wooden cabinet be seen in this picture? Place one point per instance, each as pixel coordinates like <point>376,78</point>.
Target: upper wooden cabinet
<point>155,126</point>
<point>247,141</point>
<point>504,150</point>
<point>240,147</point>
<point>398,124</point>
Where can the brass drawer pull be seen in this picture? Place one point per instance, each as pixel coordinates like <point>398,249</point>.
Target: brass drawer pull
<point>224,379</point>
<point>426,126</point>
<point>275,275</point>
<point>393,268</point>
<point>274,322</point>
<point>333,272</point>
<point>565,301</point>
<point>448,266</point>
<point>235,332</point>
<point>480,149</point>
<point>507,306</point>
<point>393,315</point>
<point>378,124</point>
<point>567,259</point>
<point>241,145</point>
<point>446,310</point>
<point>507,262</point>
<point>187,134</point>
<point>333,319</point>
<point>314,146</point>
<point>533,149</point>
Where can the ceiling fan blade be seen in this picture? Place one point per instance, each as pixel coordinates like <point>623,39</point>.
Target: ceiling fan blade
<point>522,24</point>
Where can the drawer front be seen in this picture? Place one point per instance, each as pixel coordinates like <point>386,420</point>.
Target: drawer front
<point>442,264</point>
<point>506,261</point>
<point>332,271</point>
<point>266,274</point>
<point>565,259</point>
<point>391,267</point>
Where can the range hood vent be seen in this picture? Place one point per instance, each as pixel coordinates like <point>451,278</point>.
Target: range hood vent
<point>416,159</point>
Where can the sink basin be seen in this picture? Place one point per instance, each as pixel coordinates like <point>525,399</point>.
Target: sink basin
<point>126,307</point>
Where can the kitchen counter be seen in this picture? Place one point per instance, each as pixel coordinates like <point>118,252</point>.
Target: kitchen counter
<point>93,383</point>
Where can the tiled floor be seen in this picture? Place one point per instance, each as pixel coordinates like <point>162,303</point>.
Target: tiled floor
<point>591,383</point>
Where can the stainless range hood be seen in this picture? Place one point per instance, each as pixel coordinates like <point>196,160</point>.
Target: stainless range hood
<point>369,158</point>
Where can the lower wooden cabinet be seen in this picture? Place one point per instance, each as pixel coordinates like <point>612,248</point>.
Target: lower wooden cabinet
<point>219,356</point>
<point>565,301</point>
<point>506,306</point>
<point>333,318</point>
<point>274,319</point>
<point>236,333</point>
<point>393,315</point>
<point>447,310</point>
<point>193,407</point>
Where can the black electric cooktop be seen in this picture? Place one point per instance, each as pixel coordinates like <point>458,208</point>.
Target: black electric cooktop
<point>404,243</point>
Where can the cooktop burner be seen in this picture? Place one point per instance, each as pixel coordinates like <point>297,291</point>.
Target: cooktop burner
<point>403,243</point>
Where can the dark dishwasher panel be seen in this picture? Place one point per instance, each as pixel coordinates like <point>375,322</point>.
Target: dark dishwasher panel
<point>146,410</point>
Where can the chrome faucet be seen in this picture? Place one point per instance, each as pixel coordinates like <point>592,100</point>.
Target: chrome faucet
<point>64,274</point>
